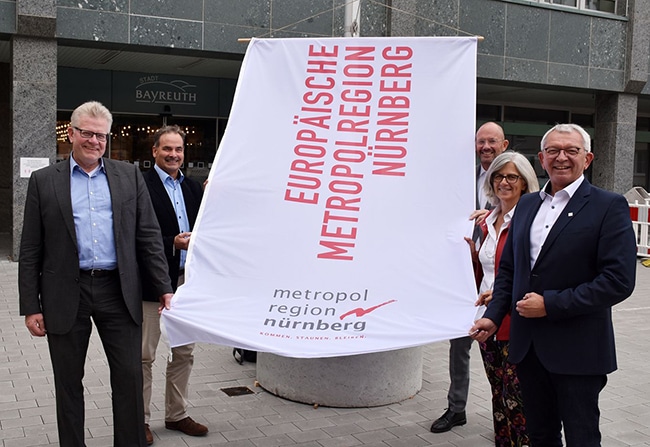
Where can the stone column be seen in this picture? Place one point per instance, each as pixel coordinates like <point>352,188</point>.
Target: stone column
<point>6,163</point>
<point>366,380</point>
<point>615,123</point>
<point>33,99</point>
<point>615,119</point>
<point>638,45</point>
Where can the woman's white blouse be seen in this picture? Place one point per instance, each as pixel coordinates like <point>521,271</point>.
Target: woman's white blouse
<point>488,248</point>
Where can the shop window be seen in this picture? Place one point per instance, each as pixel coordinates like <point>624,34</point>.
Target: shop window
<point>586,121</point>
<point>641,165</point>
<point>63,145</point>
<point>485,112</point>
<point>537,116</point>
<point>642,123</point>
<point>132,138</point>
<point>528,146</point>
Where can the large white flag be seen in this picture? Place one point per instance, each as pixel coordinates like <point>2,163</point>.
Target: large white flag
<point>335,212</point>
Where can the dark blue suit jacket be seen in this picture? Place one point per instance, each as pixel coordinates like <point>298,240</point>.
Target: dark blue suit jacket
<point>587,264</point>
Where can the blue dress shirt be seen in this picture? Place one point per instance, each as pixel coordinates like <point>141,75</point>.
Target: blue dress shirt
<point>93,217</point>
<point>175,193</point>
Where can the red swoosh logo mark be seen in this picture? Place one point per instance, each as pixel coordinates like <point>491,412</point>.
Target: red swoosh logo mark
<point>360,311</point>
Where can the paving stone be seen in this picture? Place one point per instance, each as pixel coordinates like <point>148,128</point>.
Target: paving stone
<point>28,418</point>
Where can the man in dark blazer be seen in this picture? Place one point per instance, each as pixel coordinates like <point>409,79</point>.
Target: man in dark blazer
<point>89,232</point>
<point>176,200</point>
<point>569,257</point>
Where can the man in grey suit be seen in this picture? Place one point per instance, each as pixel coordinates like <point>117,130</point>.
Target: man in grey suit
<point>490,142</point>
<point>89,233</point>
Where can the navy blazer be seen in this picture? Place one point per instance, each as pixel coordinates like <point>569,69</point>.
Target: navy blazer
<point>192,195</point>
<point>587,264</point>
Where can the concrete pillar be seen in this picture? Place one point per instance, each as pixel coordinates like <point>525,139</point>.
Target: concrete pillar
<point>33,99</point>
<point>365,380</point>
<point>638,45</point>
<point>615,119</point>
<point>615,123</point>
<point>6,162</point>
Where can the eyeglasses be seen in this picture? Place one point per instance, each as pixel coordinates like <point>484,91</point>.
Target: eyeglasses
<point>569,152</point>
<point>510,178</point>
<point>88,134</point>
<point>490,142</point>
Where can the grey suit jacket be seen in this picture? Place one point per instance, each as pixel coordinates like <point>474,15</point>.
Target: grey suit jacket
<point>48,278</point>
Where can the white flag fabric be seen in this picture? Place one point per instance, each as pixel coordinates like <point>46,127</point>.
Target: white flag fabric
<point>334,218</point>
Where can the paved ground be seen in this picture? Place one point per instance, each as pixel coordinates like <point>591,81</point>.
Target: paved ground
<point>27,414</point>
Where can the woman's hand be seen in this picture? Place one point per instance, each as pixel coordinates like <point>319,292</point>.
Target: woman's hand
<point>472,249</point>
<point>478,216</point>
<point>484,298</point>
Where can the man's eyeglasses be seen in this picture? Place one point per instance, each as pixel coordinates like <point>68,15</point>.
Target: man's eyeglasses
<point>510,178</point>
<point>490,142</point>
<point>88,134</point>
<point>569,152</point>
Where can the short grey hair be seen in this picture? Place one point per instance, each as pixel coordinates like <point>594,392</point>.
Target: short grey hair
<point>568,128</point>
<point>522,165</point>
<point>92,109</point>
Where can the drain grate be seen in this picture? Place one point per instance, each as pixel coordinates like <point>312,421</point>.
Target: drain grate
<point>237,391</point>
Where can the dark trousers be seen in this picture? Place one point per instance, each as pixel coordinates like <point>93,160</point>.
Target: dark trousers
<point>553,401</point>
<point>101,299</point>
<point>459,349</point>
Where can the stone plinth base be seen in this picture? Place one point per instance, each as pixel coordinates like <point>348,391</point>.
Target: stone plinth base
<point>365,380</point>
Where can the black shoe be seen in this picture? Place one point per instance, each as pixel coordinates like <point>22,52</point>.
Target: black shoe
<point>447,421</point>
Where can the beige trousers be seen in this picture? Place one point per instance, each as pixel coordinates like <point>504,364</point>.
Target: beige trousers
<point>178,370</point>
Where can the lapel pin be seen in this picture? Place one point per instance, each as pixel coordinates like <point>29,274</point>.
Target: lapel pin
<point>570,214</point>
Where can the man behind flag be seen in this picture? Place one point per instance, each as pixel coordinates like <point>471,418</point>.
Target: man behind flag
<point>176,200</point>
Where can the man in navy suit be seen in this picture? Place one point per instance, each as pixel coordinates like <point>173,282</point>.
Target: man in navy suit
<point>176,200</point>
<point>570,256</point>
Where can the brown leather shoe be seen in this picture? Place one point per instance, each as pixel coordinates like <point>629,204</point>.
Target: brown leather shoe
<point>148,434</point>
<point>187,426</point>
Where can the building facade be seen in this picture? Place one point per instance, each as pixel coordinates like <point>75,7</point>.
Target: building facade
<point>153,62</point>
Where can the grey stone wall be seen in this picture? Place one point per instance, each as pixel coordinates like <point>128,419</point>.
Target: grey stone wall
<point>523,42</point>
<point>8,16</point>
<point>33,97</point>
<point>638,46</point>
<point>209,25</point>
<point>6,153</point>
<point>526,43</point>
<point>613,165</point>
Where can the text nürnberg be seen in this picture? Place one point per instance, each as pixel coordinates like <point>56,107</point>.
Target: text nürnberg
<point>349,109</point>
<point>309,304</point>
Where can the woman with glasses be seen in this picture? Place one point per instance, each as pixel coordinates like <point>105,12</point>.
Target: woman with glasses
<point>509,177</point>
